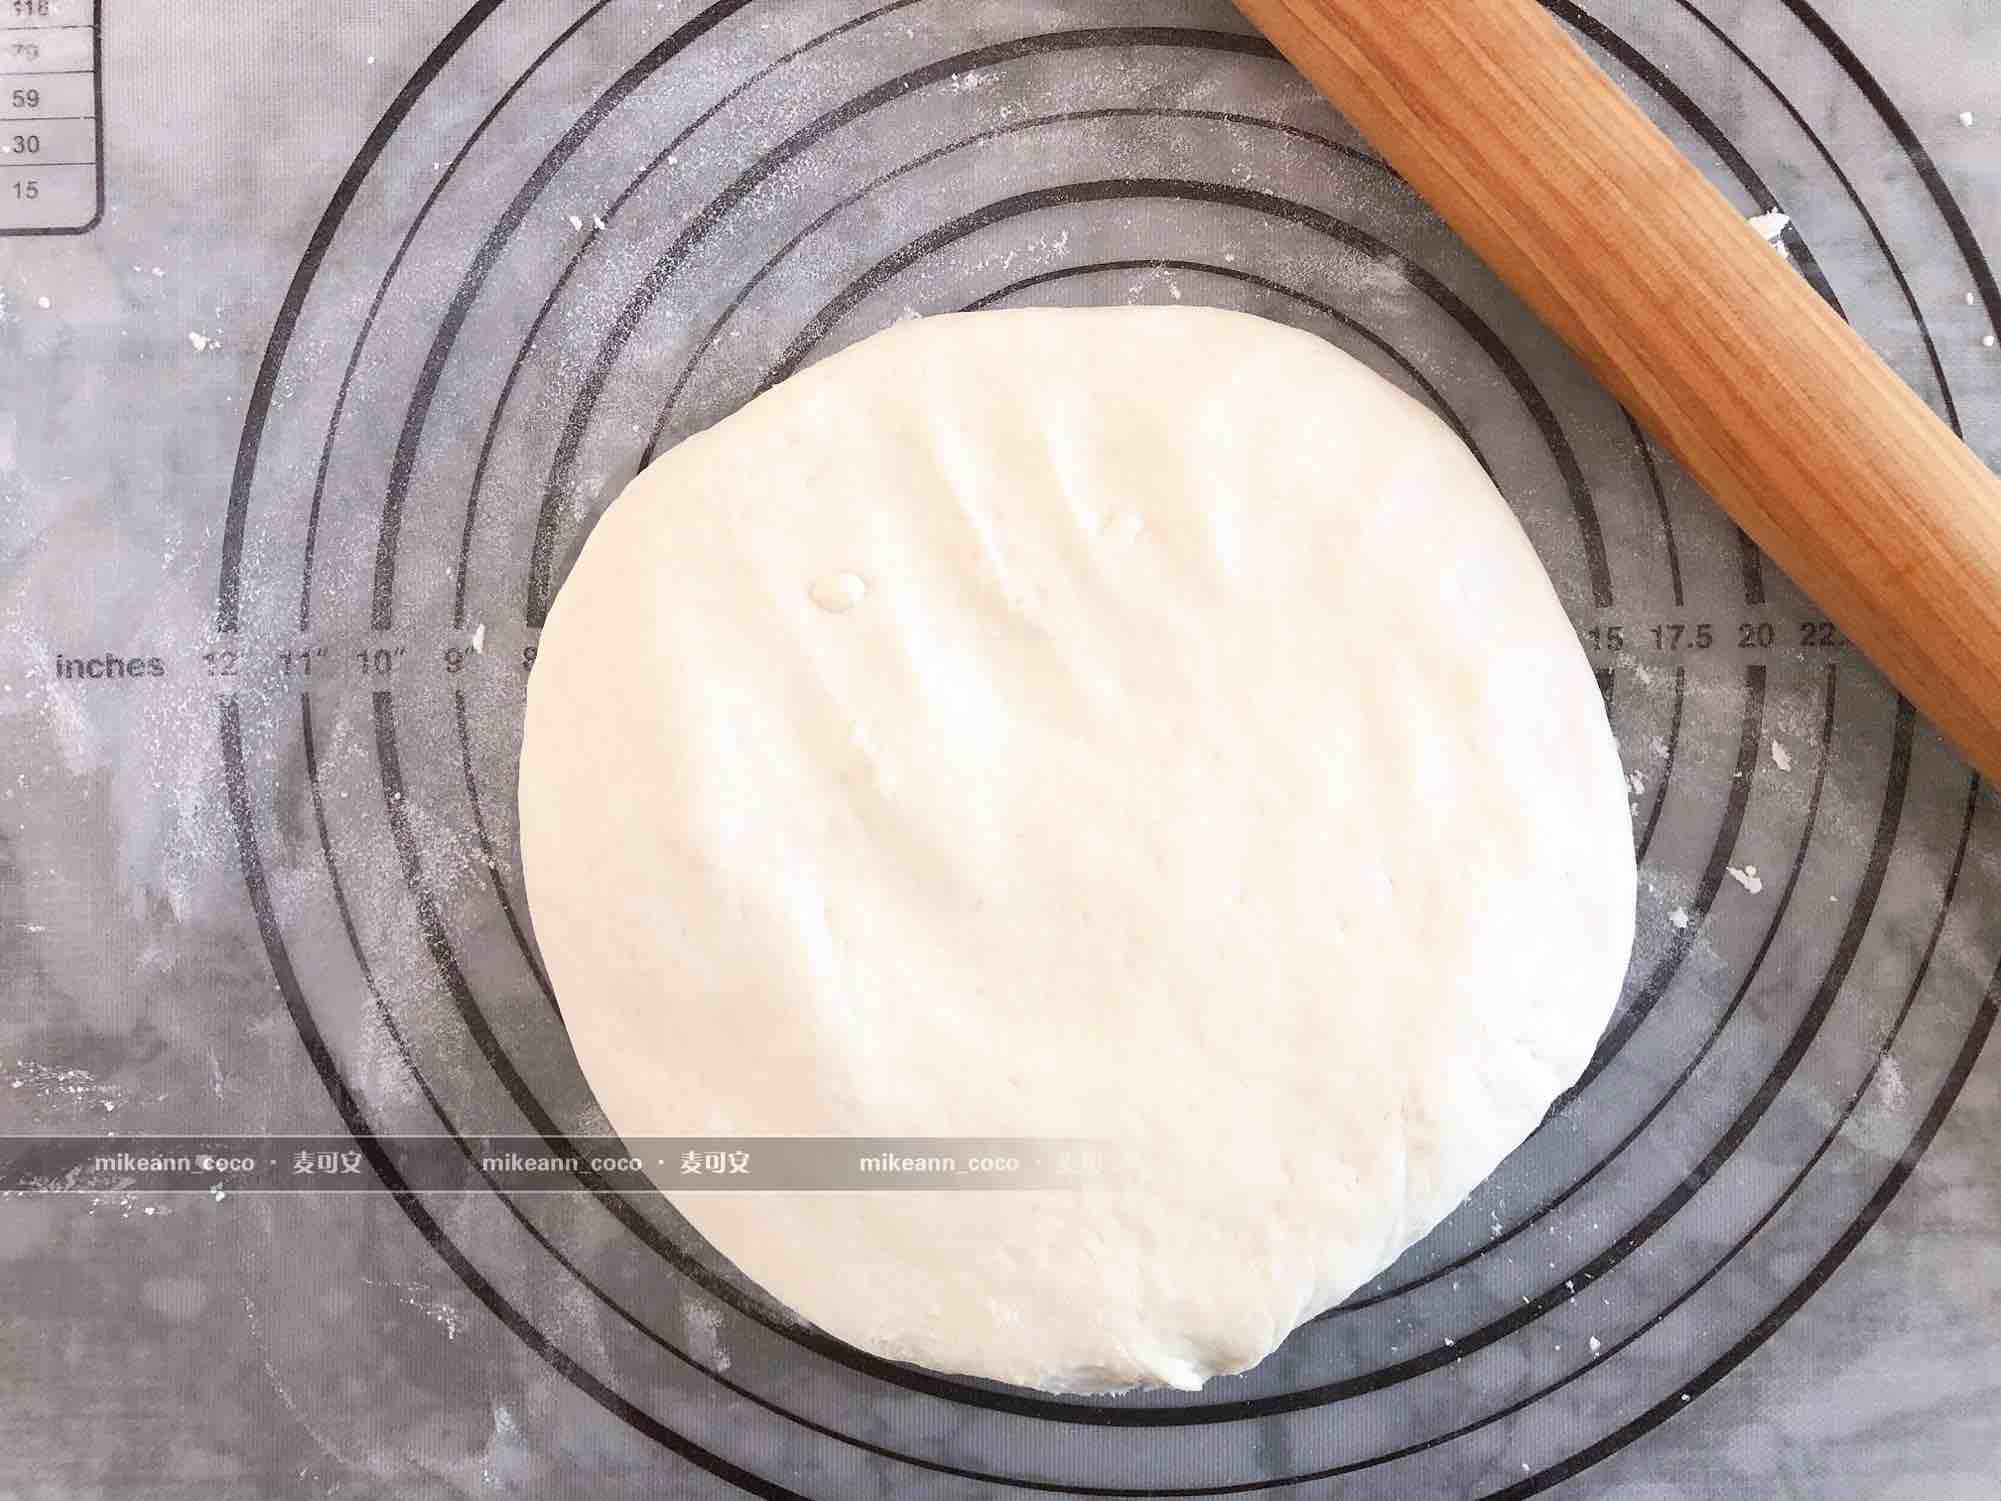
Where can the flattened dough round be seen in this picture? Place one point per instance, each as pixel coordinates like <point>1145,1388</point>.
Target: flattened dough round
<point>1143,725</point>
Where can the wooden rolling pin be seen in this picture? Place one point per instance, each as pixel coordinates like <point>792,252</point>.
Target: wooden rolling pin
<point>1587,210</point>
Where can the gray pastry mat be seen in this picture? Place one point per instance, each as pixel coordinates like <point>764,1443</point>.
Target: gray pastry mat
<point>384,303</point>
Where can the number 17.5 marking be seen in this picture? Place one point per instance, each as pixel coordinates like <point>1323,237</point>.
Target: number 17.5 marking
<point>1678,637</point>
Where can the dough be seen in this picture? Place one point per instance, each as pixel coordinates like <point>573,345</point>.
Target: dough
<point>1139,725</point>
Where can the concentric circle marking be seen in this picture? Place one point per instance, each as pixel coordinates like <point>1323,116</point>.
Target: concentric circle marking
<point>1907,792</point>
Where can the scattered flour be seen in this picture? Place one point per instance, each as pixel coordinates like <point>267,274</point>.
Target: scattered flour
<point>1781,757</point>
<point>56,1086</point>
<point>1679,917</point>
<point>703,1324</point>
<point>420,1296</point>
<point>1890,1084</point>
<point>1773,227</point>
<point>1748,878</point>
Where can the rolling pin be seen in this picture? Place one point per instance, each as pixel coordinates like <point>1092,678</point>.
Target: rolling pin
<point>1829,461</point>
